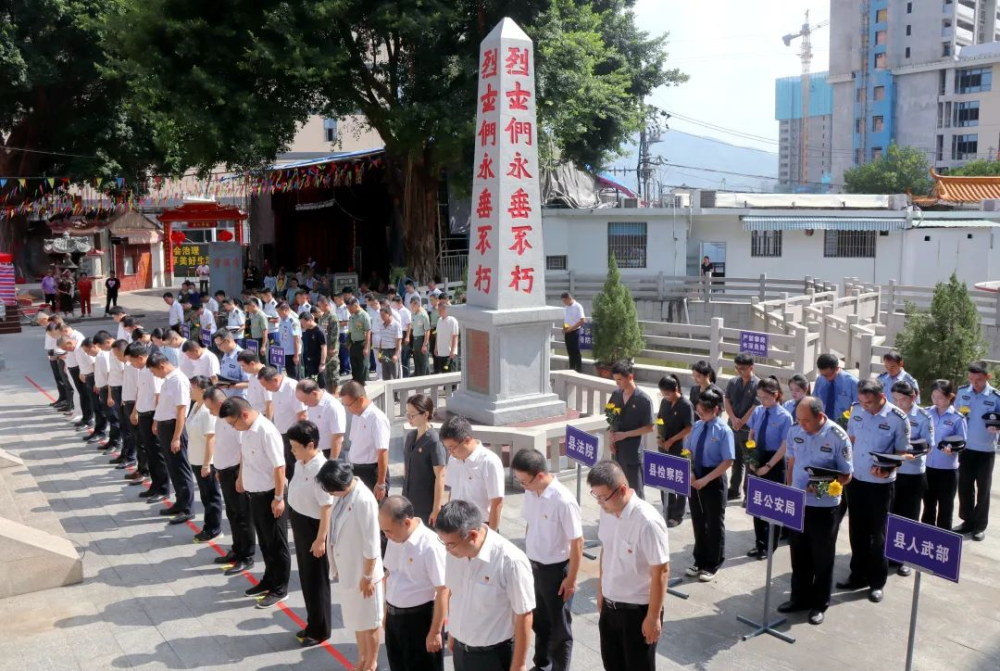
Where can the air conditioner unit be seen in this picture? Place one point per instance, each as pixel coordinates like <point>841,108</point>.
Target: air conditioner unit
<point>706,199</point>
<point>630,202</point>
<point>991,205</point>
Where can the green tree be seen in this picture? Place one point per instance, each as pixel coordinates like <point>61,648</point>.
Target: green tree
<point>615,323</point>
<point>940,343</point>
<point>898,170</point>
<point>226,82</point>
<point>978,168</point>
<point>61,113</point>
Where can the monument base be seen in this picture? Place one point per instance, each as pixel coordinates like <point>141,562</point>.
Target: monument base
<point>505,365</point>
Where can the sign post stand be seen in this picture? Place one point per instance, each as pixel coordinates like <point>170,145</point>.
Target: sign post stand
<point>925,548</point>
<point>583,448</point>
<point>672,474</point>
<point>780,506</point>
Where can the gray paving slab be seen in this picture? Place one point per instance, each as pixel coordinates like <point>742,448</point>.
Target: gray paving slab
<point>153,599</point>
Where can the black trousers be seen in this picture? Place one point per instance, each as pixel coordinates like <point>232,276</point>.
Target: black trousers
<point>57,375</point>
<point>939,497</point>
<point>760,527</point>
<point>110,300</point>
<point>125,424</point>
<point>388,365</point>
<point>367,473</point>
<point>272,534</point>
<point>443,364</point>
<point>65,384</point>
<point>406,641</point>
<point>420,363</point>
<point>113,415</point>
<point>868,504</point>
<point>553,617</point>
<point>573,350</point>
<point>156,463</point>
<point>238,513</point>
<point>314,575</point>
<point>495,659</point>
<point>85,395</point>
<point>178,466</point>
<point>100,410</point>
<point>908,495</point>
<point>633,474</point>
<point>975,479</point>
<point>622,644</point>
<point>359,362</point>
<point>289,457</point>
<point>211,499</point>
<point>674,506</point>
<point>708,516</point>
<point>291,368</point>
<point>739,474</point>
<point>813,553</point>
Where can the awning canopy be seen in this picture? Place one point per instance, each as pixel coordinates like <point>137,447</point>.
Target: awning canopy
<point>208,212</point>
<point>753,223</point>
<point>955,223</point>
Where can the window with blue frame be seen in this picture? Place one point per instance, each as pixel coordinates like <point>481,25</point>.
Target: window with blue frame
<point>964,147</point>
<point>967,113</point>
<point>973,80</point>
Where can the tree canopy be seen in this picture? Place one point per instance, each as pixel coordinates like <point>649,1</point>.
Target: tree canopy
<point>978,168</point>
<point>898,170</point>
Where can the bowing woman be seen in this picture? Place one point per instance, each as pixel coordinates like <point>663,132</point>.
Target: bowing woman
<point>713,451</point>
<point>424,460</point>
<point>769,426</point>
<point>950,431</point>
<point>356,547</point>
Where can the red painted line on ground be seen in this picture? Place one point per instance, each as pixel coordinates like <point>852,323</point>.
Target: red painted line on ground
<point>36,386</point>
<point>326,645</point>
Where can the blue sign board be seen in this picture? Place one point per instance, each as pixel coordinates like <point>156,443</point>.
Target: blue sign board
<point>776,503</point>
<point>185,330</point>
<point>586,336</point>
<point>934,550</point>
<point>754,343</point>
<point>582,446</point>
<point>206,337</point>
<point>276,355</point>
<point>252,345</point>
<point>666,471</point>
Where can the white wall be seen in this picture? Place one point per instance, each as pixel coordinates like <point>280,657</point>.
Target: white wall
<point>582,235</point>
<point>968,252</point>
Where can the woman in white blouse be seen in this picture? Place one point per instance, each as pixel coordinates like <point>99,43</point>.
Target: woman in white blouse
<point>356,548</point>
<point>200,427</point>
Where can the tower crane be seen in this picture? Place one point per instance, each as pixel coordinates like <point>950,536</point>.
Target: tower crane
<point>805,55</point>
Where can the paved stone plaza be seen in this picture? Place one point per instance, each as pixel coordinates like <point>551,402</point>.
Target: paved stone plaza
<point>153,599</point>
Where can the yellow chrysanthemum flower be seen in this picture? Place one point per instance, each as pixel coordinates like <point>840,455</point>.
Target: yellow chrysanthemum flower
<point>618,411</point>
<point>835,488</point>
<point>659,422</point>
<point>610,406</point>
<point>847,414</point>
<point>965,410</point>
<point>751,444</point>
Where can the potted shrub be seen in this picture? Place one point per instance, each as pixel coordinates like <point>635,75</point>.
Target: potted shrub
<point>615,323</point>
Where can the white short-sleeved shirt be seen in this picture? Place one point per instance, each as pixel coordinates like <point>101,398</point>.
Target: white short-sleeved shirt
<point>573,313</point>
<point>343,314</point>
<point>330,418</point>
<point>286,405</point>
<point>184,363</point>
<point>130,383</point>
<point>257,396</point>
<point>101,368</point>
<point>478,479</point>
<point>147,387</point>
<point>386,336</point>
<point>175,315</point>
<point>487,591</point>
<point>84,361</point>
<point>446,328</point>
<point>175,391</point>
<point>262,451</point>
<point>200,424</point>
<point>122,334</point>
<point>305,496</point>
<point>416,568</point>
<point>206,320</point>
<point>633,542</point>
<point>271,310</point>
<point>235,319</point>
<point>369,434</point>
<point>72,360</point>
<point>212,305</point>
<point>553,520</point>
<point>50,342</point>
<point>228,442</point>
<point>206,365</point>
<point>116,371</point>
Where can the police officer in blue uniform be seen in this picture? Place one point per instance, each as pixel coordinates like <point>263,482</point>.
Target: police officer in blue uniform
<point>836,388</point>
<point>815,441</point>
<point>975,466</point>
<point>911,481</point>
<point>233,379</point>
<point>713,450</point>
<point>894,372</point>
<point>950,432</point>
<point>876,427</point>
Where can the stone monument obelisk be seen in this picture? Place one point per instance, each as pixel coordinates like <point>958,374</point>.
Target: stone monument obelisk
<point>506,325</point>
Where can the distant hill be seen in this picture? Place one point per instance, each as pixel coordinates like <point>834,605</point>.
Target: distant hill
<point>702,152</point>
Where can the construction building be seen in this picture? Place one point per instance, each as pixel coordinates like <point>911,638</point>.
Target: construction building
<point>788,110</point>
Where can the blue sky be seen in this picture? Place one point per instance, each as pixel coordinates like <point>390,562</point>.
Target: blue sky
<point>733,52</point>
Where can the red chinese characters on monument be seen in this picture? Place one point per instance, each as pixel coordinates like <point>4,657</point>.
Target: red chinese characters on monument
<point>515,129</point>
<point>516,63</point>
<point>485,207</point>
<point>488,133</point>
<point>520,207</point>
<point>522,276</point>
<point>489,66</point>
<point>489,99</point>
<point>484,242</point>
<point>520,239</point>
<point>485,168</point>
<point>517,99</point>
<point>519,167</point>
<point>484,279</point>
